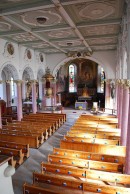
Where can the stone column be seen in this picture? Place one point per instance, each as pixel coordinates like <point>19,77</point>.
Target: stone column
<point>117,94</point>
<point>40,89</point>
<point>118,99</point>
<point>19,100</point>
<point>125,109</point>
<point>127,163</point>
<point>107,94</point>
<point>0,110</point>
<point>43,95</point>
<point>54,92</point>
<point>23,90</point>
<point>121,102</point>
<point>128,38</point>
<point>8,93</point>
<point>34,102</point>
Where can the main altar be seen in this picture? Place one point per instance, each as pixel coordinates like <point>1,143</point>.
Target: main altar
<point>83,101</point>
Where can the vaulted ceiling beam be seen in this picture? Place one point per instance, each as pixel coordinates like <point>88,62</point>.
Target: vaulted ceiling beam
<point>24,27</point>
<point>86,37</point>
<point>68,19</point>
<point>99,23</point>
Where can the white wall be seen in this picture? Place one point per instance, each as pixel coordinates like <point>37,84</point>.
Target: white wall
<point>107,59</point>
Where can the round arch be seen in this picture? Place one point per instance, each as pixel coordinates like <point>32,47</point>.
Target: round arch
<point>63,62</point>
<point>40,73</point>
<point>28,74</point>
<point>9,71</point>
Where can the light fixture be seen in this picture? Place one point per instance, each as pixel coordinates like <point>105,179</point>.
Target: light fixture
<point>41,20</point>
<point>69,43</point>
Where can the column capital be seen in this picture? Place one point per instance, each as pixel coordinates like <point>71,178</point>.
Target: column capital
<point>33,81</point>
<point>118,81</point>
<point>108,81</point>
<point>122,82</point>
<point>128,83</point>
<point>18,82</point>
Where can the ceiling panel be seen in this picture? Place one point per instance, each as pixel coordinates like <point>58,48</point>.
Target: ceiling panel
<point>102,41</point>
<point>60,34</point>
<point>100,30</point>
<point>23,37</point>
<point>94,10</point>
<point>62,25</point>
<point>5,26</point>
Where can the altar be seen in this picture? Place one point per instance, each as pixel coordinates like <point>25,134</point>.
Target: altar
<point>84,101</point>
<point>84,98</point>
<point>81,105</point>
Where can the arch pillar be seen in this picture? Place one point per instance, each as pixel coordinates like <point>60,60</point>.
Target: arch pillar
<point>107,94</point>
<point>125,109</point>
<point>19,100</point>
<point>34,103</point>
<point>0,110</point>
<point>121,102</point>
<point>127,163</point>
<point>117,96</point>
<point>8,93</point>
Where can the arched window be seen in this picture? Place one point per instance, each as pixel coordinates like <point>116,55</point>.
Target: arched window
<point>12,87</point>
<point>72,80</point>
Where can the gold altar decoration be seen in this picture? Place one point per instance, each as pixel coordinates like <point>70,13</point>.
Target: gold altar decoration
<point>48,78</point>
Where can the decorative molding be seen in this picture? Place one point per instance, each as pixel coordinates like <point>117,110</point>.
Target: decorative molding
<point>18,82</point>
<point>28,55</point>
<point>97,10</point>
<point>9,50</point>
<point>48,18</point>
<point>128,83</point>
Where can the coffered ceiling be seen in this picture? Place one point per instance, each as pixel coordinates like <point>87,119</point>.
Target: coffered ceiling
<point>53,26</point>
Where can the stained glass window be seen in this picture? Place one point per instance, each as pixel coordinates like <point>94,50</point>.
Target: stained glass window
<point>72,72</point>
<point>102,80</point>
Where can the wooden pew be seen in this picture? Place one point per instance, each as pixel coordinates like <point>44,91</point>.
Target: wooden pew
<point>91,135</point>
<point>68,182</point>
<point>96,129</point>
<point>24,147</point>
<point>96,148</point>
<point>110,177</point>
<point>25,133</point>
<point>16,153</point>
<point>96,132</point>
<point>89,164</point>
<point>46,131</point>
<point>98,119</point>
<point>91,140</point>
<point>42,121</point>
<point>50,127</point>
<point>96,125</point>
<point>88,155</point>
<point>37,189</point>
<point>61,116</point>
<point>12,162</point>
<point>31,140</point>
